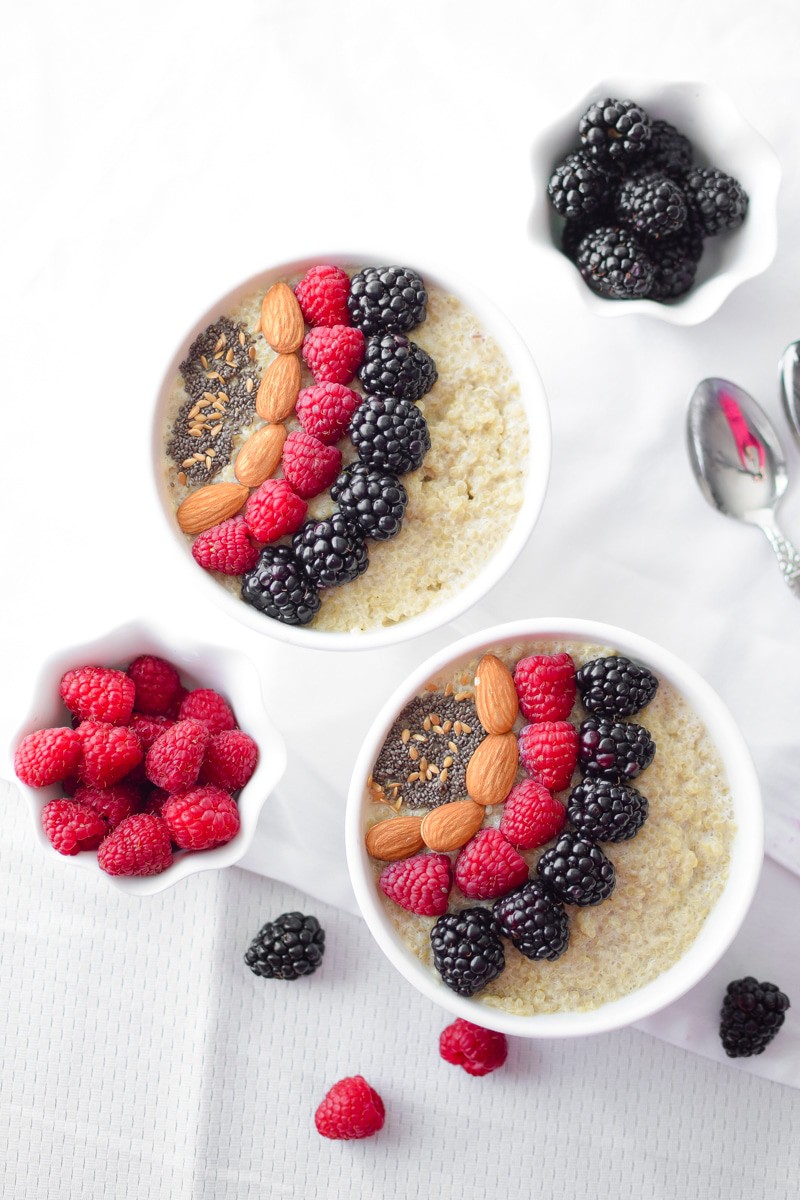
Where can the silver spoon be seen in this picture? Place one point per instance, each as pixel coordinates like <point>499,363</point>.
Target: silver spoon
<point>790,386</point>
<point>739,464</point>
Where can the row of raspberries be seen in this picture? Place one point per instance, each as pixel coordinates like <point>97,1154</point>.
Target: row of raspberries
<point>146,765</point>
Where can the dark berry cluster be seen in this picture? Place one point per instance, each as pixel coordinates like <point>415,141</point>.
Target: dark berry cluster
<point>636,206</point>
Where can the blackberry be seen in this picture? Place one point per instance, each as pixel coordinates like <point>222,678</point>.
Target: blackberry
<point>375,501</point>
<point>387,300</point>
<point>577,870</point>
<point>614,686</point>
<point>614,750</point>
<point>652,204</point>
<point>752,1013</point>
<point>614,263</point>
<point>534,920</point>
<point>574,232</point>
<point>718,200</point>
<point>668,150</point>
<point>390,435</point>
<point>676,261</point>
<point>579,186</point>
<point>605,811</point>
<point>615,129</point>
<point>467,951</point>
<point>279,587</point>
<point>331,552</point>
<point>286,948</point>
<point>395,366</point>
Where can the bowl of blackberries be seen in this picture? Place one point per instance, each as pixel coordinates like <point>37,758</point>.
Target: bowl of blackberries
<point>657,199</point>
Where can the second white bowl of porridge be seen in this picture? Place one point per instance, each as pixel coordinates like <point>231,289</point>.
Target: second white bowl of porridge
<point>682,883</point>
<point>472,504</point>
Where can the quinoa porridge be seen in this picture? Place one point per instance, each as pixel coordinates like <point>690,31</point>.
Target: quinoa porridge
<point>667,877</point>
<point>467,492</point>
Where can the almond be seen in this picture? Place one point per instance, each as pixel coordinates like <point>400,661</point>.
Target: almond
<point>259,457</point>
<point>209,505</point>
<point>277,392</point>
<point>450,826</point>
<point>492,768</point>
<point>495,695</point>
<point>281,319</point>
<point>396,838</point>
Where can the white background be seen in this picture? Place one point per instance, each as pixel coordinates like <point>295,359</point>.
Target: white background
<point>154,155</point>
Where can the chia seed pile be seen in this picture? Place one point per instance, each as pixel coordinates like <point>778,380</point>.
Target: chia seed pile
<point>416,737</point>
<point>221,384</point>
<point>636,207</point>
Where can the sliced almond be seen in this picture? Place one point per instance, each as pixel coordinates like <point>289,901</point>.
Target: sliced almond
<point>259,457</point>
<point>491,770</point>
<point>209,505</point>
<point>450,826</point>
<point>277,392</point>
<point>281,319</point>
<point>495,695</point>
<point>396,838</point>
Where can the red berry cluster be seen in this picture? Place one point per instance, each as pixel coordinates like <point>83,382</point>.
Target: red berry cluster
<point>146,768</point>
<point>333,351</point>
<point>352,1109</point>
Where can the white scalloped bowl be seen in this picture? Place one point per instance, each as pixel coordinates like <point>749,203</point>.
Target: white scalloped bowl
<point>534,401</point>
<point>720,926</point>
<point>199,665</point>
<point>722,138</point>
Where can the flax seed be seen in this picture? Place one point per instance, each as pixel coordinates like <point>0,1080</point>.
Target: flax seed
<point>405,735</point>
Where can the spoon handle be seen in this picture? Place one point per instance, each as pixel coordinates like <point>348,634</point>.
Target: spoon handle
<point>787,555</point>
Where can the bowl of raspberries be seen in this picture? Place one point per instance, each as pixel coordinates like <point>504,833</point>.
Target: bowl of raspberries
<point>657,197</point>
<point>146,758</point>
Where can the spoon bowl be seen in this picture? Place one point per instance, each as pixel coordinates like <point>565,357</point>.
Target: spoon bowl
<point>739,463</point>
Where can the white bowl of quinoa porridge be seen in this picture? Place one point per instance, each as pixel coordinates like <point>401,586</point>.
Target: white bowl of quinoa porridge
<point>682,883</point>
<point>472,504</point>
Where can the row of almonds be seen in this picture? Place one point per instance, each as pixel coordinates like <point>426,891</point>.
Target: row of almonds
<point>490,776</point>
<point>283,327</point>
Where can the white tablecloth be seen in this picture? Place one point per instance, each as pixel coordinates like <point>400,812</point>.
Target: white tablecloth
<point>156,155</point>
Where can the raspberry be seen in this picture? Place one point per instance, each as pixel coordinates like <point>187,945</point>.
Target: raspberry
<point>201,818</point>
<point>309,465</point>
<point>322,295</point>
<point>139,845</point>
<point>148,728</point>
<point>157,684</point>
<point>72,826</point>
<point>545,685</point>
<point>273,511</point>
<point>174,759</point>
<point>230,760</point>
<point>154,801</point>
<point>333,354</point>
<point>109,752</point>
<point>549,752</point>
<point>208,707</point>
<point>47,756</point>
<point>115,803</point>
<point>420,884</point>
<point>326,410</point>
<point>531,816</point>
<point>175,706</point>
<point>226,548</point>
<point>98,694</point>
<point>351,1109</point>
<point>479,1051</point>
<point>489,866</point>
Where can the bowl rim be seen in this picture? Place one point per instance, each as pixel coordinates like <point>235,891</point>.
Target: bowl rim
<point>247,694</point>
<point>728,912</point>
<point>703,301</point>
<point>534,401</point>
